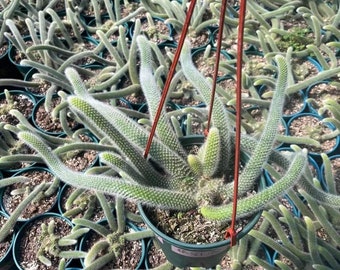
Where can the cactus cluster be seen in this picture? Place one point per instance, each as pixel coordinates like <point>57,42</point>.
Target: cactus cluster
<point>170,178</point>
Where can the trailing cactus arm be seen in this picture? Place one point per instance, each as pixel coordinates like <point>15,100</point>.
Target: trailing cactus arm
<point>153,97</point>
<point>171,161</point>
<point>89,112</point>
<point>328,174</point>
<point>323,75</point>
<point>275,245</point>
<point>319,195</point>
<point>249,205</point>
<point>262,149</point>
<point>305,182</point>
<point>13,180</point>
<point>17,83</point>
<point>93,112</point>
<point>117,186</point>
<point>297,140</point>
<point>323,219</point>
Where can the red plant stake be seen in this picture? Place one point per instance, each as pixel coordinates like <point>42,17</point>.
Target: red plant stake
<point>218,54</point>
<point>230,232</point>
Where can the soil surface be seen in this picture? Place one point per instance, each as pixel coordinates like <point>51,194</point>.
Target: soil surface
<point>293,104</point>
<point>158,33</point>
<point>189,227</point>
<point>45,121</point>
<point>20,102</point>
<point>196,39</point>
<point>206,64</point>
<point>312,127</point>
<point>319,93</point>
<point>14,194</point>
<point>41,89</point>
<point>80,160</point>
<point>3,49</point>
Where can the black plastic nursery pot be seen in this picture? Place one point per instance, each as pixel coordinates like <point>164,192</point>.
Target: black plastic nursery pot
<point>44,121</point>
<point>15,56</point>
<point>166,30</point>
<point>7,199</point>
<point>318,93</point>
<point>315,153</point>
<point>205,58</point>
<point>113,37</point>
<point>7,69</point>
<point>182,254</point>
<point>22,101</point>
<point>20,246</point>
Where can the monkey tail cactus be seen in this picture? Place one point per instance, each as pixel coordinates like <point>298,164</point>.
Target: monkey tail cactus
<point>171,178</point>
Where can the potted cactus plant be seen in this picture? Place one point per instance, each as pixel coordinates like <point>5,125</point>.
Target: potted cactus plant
<point>46,241</point>
<point>171,178</point>
<point>113,242</point>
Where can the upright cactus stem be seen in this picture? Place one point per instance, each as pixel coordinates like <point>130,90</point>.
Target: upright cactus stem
<point>268,137</point>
